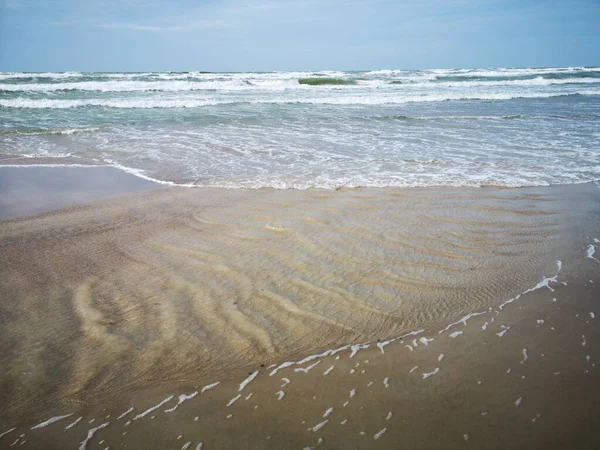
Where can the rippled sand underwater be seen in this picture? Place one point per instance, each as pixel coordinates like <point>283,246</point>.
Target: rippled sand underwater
<point>187,285</point>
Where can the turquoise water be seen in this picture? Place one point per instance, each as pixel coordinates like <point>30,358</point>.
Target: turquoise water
<point>508,127</point>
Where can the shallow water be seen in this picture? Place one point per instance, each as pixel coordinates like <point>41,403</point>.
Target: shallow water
<point>193,283</point>
<point>506,127</point>
<point>526,365</point>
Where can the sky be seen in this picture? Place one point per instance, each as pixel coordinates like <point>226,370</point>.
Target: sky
<point>270,35</point>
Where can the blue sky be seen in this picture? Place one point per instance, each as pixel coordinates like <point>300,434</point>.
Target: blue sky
<point>264,35</point>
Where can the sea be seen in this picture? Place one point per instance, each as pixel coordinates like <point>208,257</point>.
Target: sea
<point>301,130</point>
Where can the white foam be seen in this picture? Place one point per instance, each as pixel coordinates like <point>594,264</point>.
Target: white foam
<point>591,250</point>
<point>91,434</point>
<point>328,411</point>
<point>154,408</point>
<point>233,400</point>
<point>125,413</point>
<point>182,398</point>
<point>209,386</point>
<point>72,424</point>
<point>356,347</point>
<point>328,371</point>
<point>54,75</point>
<point>245,383</point>
<point>7,432</point>
<point>280,395</point>
<point>455,334</point>
<point>389,416</point>
<point>352,393</point>
<point>544,283</point>
<point>318,426</point>
<point>379,434</point>
<point>463,320</point>
<point>413,369</point>
<point>426,341</point>
<point>518,401</point>
<point>412,333</point>
<point>381,345</point>
<point>286,381</point>
<point>281,366</point>
<point>440,357</point>
<point>50,421</point>
<point>524,356</point>
<point>384,98</point>
<point>142,174</point>
<point>308,368</point>
<point>592,315</point>
<point>430,374</point>
<point>57,132</point>
<point>386,382</point>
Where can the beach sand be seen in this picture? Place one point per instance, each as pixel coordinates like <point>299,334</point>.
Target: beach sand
<point>127,301</point>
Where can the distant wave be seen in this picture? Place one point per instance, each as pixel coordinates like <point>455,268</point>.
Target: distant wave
<point>55,75</point>
<point>340,100</point>
<point>236,84</point>
<point>316,81</point>
<point>114,85</point>
<point>537,81</point>
<point>512,72</point>
<point>119,86</point>
<point>491,72</point>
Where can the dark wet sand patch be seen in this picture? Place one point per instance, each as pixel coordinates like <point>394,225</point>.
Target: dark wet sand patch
<point>31,190</point>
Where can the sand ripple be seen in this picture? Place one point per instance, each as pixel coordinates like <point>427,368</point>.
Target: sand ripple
<point>184,284</point>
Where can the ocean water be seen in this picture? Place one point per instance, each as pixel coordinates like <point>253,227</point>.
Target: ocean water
<point>461,127</point>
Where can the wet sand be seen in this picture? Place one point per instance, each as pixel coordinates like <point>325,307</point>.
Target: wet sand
<point>31,190</point>
<point>125,302</point>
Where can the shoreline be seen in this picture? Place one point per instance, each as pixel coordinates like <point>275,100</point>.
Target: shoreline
<point>140,174</point>
<point>133,298</point>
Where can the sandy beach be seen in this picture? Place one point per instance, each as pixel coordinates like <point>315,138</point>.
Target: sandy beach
<point>354,318</point>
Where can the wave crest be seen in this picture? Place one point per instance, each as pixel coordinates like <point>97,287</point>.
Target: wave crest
<point>318,81</point>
